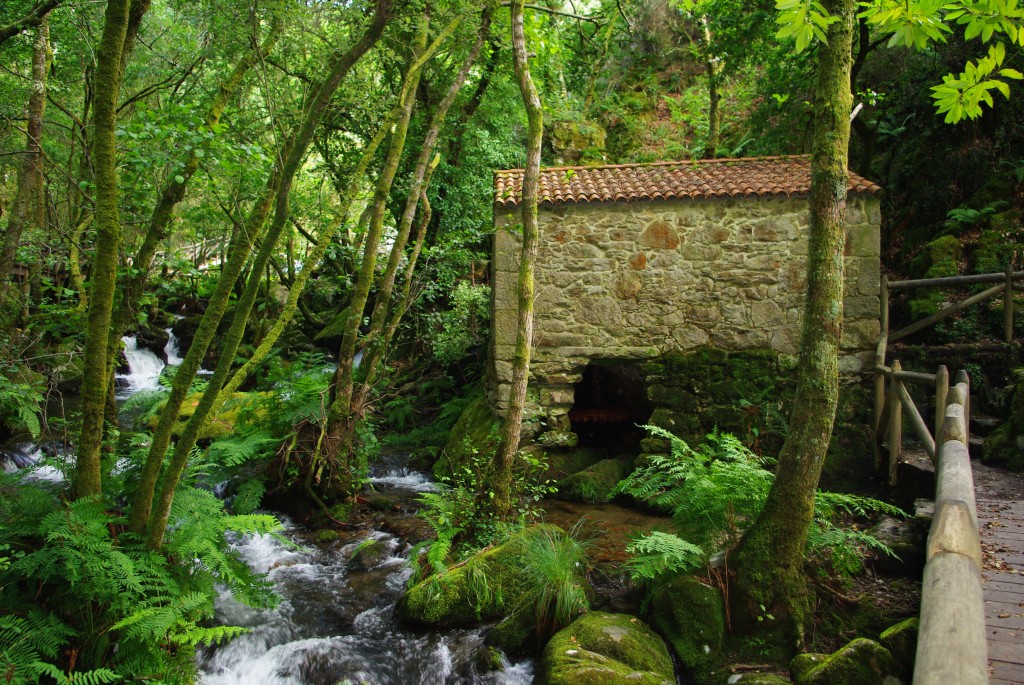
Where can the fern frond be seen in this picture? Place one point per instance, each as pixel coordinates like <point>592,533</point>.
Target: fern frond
<point>658,554</point>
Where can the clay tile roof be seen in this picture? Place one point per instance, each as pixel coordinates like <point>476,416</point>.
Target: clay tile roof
<point>760,176</point>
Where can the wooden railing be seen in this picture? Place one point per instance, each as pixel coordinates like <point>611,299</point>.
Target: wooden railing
<point>1007,284</point>
<point>891,395</point>
<point>890,406</point>
<point>951,645</point>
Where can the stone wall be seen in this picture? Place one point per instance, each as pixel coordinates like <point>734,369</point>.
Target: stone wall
<point>636,281</point>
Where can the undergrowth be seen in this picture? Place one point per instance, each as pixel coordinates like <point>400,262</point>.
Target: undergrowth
<point>83,601</point>
<point>714,492</point>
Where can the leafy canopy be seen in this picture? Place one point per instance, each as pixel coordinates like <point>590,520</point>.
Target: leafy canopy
<point>919,23</point>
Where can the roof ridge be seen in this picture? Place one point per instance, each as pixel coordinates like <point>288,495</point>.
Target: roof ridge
<point>681,162</point>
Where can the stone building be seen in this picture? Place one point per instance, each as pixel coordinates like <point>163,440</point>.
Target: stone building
<point>645,265</point>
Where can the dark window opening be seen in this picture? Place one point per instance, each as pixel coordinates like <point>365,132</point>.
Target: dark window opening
<point>610,405</point>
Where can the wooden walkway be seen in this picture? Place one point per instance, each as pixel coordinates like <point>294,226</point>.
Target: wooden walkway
<point>1000,500</point>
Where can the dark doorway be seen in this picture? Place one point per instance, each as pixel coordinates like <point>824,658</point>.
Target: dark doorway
<point>610,403</point>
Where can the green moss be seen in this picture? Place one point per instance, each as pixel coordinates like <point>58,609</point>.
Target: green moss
<point>326,535</point>
<point>484,588</point>
<point>334,329</point>
<point>563,463</point>
<point>691,616</point>
<point>218,425</point>
<point>476,431</point>
<point>939,259</point>
<point>901,641</point>
<point>1005,446</point>
<point>594,484</point>
<point>861,662</point>
<point>605,649</point>
<point>515,633</point>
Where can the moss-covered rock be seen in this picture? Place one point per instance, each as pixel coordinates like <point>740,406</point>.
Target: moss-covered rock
<point>558,439</point>
<point>906,539</point>
<point>516,632</point>
<point>484,588</point>
<point>605,649</point>
<point>475,433</point>
<point>368,554</point>
<point>594,484</point>
<point>901,641</point>
<point>563,463</point>
<point>861,662</point>
<point>939,259</point>
<point>691,616</point>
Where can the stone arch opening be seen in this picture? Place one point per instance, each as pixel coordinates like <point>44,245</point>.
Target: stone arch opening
<point>610,403</point>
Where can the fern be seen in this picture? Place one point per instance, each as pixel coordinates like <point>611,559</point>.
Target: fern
<point>662,554</point>
<point>248,496</point>
<point>714,492</point>
<point>240,447</point>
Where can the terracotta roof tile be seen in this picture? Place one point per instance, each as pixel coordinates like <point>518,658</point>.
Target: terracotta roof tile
<point>760,176</point>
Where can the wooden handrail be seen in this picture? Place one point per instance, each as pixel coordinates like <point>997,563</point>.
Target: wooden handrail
<point>951,645</point>
<point>948,311</point>
<point>953,281</point>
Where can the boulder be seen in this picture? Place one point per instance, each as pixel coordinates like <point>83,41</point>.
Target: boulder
<point>758,679</point>
<point>906,539</point>
<point>691,616</point>
<point>605,649</point>
<point>594,484</point>
<point>861,662</point>
<point>484,588</point>
<point>901,641</point>
<point>475,433</point>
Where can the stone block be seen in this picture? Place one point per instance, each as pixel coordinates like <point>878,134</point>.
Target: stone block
<point>860,335</point>
<point>860,307</point>
<point>863,241</point>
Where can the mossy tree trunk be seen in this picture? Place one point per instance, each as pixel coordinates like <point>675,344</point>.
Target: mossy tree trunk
<point>383,318</point>
<point>769,561</point>
<point>511,427</point>
<point>296,148</point>
<point>29,202</point>
<point>334,450</point>
<point>172,194</point>
<point>103,273</point>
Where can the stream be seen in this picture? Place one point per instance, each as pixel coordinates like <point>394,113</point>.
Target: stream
<point>335,623</point>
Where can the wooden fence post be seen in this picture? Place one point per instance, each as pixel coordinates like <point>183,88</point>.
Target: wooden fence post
<point>1008,306</point>
<point>895,422</point>
<point>883,318</point>
<point>941,390</point>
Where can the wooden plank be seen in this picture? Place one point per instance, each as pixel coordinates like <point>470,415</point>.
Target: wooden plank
<point>1006,635</point>
<point>1008,671</point>
<point>920,427</point>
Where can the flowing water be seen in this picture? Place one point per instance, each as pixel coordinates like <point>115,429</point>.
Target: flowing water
<point>336,619</point>
<point>144,369</point>
<point>171,349</point>
<point>335,622</point>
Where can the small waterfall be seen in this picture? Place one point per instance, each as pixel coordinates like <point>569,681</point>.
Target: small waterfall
<point>26,458</point>
<point>144,368</point>
<point>171,349</point>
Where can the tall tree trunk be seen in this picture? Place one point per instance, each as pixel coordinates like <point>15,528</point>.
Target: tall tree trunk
<point>310,262</point>
<point>336,446</point>
<point>103,274</point>
<point>30,195</point>
<point>298,145</point>
<point>511,428</point>
<point>376,340</point>
<point>769,559</point>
